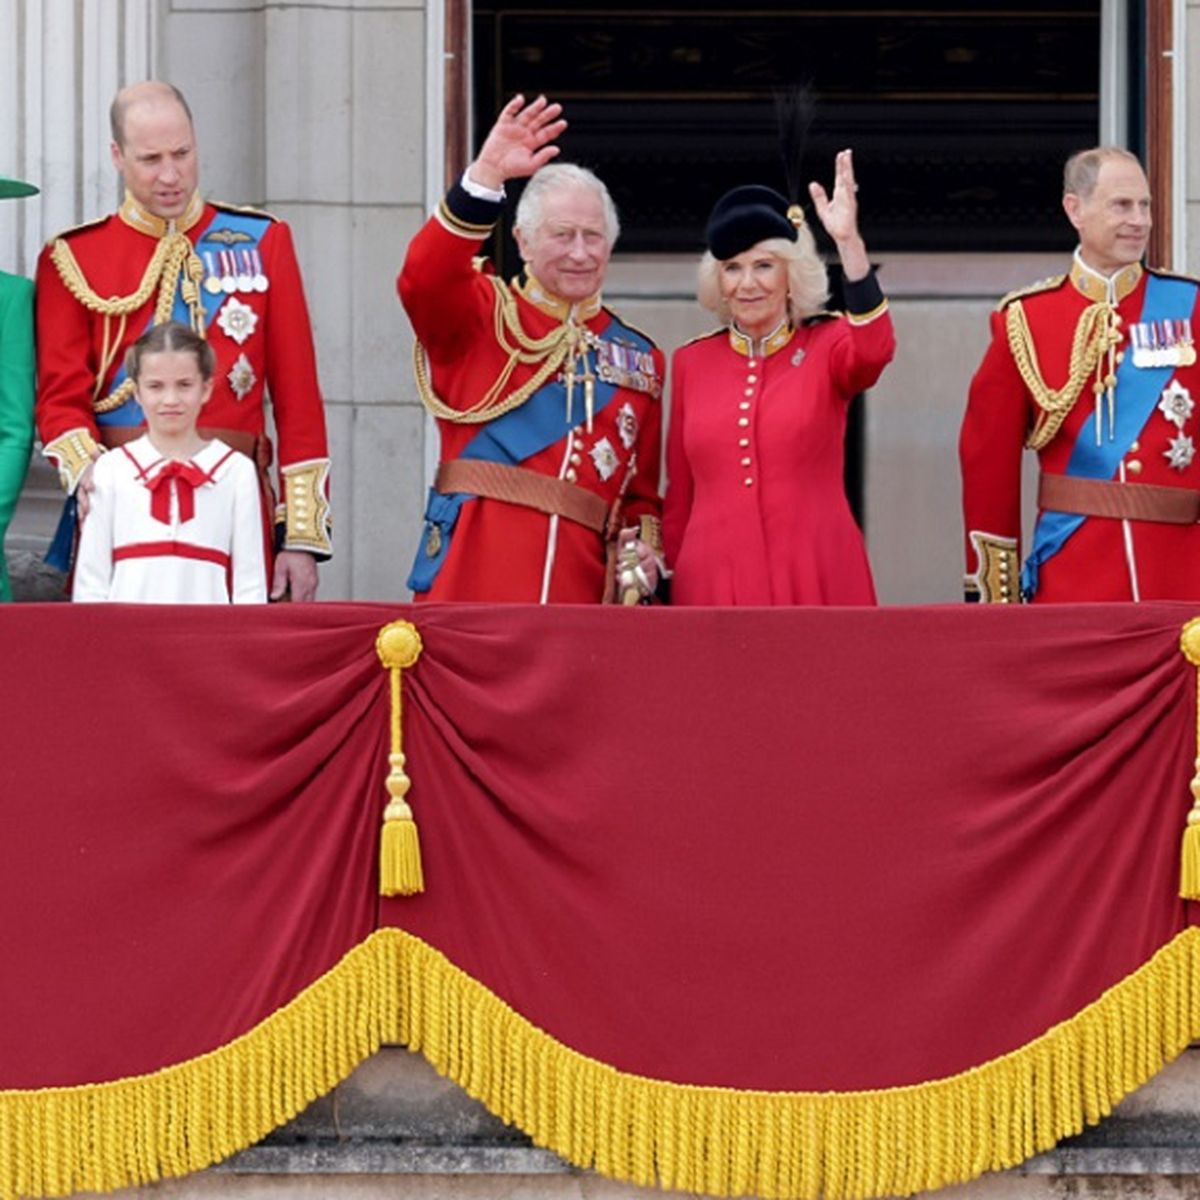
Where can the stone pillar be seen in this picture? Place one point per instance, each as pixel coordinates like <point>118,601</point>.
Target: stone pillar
<point>316,112</point>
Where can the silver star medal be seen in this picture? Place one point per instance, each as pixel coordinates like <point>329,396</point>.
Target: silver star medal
<point>241,377</point>
<point>237,319</point>
<point>605,458</point>
<point>627,425</point>
<point>1180,452</point>
<point>1176,404</point>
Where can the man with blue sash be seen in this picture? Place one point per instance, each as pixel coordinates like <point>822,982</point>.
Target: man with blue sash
<point>548,405</point>
<point>1096,371</point>
<point>229,273</point>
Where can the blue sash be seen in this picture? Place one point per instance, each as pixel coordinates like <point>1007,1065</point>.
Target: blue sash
<point>129,414</point>
<point>253,228</point>
<point>1138,392</point>
<point>511,439</point>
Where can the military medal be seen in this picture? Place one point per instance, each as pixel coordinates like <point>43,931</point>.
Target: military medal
<point>260,281</point>
<point>1166,343</point>
<point>626,366</point>
<point>605,458</point>
<point>627,425</point>
<point>238,320</point>
<point>241,377</point>
<point>212,282</point>
<point>228,282</point>
<point>1176,403</point>
<point>1180,451</point>
<point>245,279</point>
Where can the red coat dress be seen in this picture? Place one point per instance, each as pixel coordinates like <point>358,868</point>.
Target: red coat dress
<point>261,336</point>
<point>486,548</point>
<point>756,510</point>
<point>1103,557</point>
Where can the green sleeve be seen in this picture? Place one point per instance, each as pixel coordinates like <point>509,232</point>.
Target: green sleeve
<point>16,399</point>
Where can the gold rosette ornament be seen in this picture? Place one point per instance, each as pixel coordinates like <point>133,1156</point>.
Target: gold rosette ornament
<point>398,646</point>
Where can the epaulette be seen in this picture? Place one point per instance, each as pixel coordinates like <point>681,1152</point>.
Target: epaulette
<point>78,228</point>
<point>824,314</point>
<point>249,210</point>
<point>1163,274</point>
<point>1043,285</point>
<point>700,337</point>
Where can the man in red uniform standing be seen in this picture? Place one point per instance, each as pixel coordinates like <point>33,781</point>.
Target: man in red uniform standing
<point>1095,370</point>
<point>548,405</point>
<point>230,273</point>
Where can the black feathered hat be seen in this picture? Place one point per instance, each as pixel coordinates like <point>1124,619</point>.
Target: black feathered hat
<point>746,216</point>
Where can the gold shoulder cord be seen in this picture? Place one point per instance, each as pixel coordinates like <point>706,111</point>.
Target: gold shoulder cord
<point>559,346</point>
<point>1096,333</point>
<point>173,256</point>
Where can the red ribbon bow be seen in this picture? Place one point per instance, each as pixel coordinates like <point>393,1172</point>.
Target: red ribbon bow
<point>187,477</point>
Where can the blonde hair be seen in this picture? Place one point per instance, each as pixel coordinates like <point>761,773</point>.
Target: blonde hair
<point>808,281</point>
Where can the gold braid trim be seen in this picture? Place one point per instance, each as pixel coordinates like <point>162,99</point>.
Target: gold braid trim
<point>561,345</point>
<point>173,264</point>
<point>1095,335</point>
<point>394,987</point>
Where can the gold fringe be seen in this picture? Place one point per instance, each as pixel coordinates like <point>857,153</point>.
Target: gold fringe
<point>1189,869</point>
<point>722,1141</point>
<point>97,1137</point>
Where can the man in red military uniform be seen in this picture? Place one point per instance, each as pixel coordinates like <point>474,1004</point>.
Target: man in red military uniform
<point>232,275</point>
<point>548,405</point>
<point>1096,371</point>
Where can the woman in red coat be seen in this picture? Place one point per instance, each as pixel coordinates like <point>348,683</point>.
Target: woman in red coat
<point>756,511</point>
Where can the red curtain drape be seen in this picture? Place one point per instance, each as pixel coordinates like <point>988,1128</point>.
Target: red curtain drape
<point>790,850</point>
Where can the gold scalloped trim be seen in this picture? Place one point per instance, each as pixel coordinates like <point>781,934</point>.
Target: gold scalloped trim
<point>722,1141</point>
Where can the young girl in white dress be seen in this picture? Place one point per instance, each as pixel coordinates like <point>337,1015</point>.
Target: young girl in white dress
<point>174,518</point>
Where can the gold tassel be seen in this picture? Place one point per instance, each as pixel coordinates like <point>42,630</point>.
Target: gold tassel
<point>1189,874</point>
<point>400,873</point>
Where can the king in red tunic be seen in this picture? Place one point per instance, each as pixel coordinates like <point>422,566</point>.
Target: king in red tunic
<point>548,405</point>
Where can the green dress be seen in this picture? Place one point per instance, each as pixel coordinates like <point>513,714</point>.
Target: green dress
<point>16,400</point>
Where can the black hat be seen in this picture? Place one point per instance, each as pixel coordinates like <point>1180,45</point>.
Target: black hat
<point>11,188</point>
<point>746,216</point>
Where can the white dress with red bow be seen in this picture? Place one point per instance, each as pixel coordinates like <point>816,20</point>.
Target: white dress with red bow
<point>163,531</point>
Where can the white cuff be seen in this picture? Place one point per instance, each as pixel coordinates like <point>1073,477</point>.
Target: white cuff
<point>479,191</point>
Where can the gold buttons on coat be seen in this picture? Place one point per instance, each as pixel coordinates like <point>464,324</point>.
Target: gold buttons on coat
<point>1134,466</point>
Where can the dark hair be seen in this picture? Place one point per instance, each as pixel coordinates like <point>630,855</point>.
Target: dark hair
<point>165,338</point>
<point>131,95</point>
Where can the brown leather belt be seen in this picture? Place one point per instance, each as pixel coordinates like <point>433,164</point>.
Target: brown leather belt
<point>1124,501</point>
<point>516,485</point>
